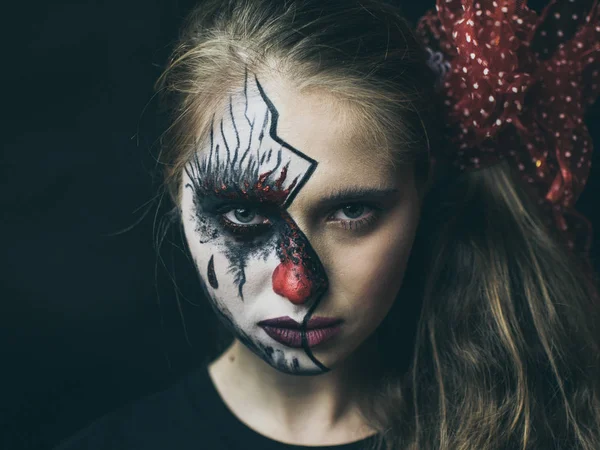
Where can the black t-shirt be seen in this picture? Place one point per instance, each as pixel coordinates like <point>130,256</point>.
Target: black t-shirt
<point>188,415</point>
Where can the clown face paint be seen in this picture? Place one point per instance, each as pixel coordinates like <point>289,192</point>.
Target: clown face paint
<point>276,235</point>
<point>255,262</point>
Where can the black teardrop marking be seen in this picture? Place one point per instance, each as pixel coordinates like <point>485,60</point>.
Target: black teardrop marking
<point>212,276</point>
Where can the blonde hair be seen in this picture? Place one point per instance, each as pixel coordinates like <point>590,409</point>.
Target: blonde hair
<point>504,355</point>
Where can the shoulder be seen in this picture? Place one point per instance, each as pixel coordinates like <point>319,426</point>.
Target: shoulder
<point>175,417</point>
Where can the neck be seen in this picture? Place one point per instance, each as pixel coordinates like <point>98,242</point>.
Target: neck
<point>292,408</point>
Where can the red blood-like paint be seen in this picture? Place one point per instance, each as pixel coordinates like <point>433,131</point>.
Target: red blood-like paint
<point>266,192</point>
<point>276,194</point>
<point>292,282</point>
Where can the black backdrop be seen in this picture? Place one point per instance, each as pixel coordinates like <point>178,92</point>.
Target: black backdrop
<point>89,318</point>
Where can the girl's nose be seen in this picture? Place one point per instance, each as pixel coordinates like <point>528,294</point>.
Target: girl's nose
<point>299,276</point>
<point>292,281</point>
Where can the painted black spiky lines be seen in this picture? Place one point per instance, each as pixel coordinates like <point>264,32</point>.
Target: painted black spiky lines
<point>238,269</point>
<point>214,173</point>
<point>232,166</point>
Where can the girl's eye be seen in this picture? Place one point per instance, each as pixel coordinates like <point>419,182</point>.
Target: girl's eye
<point>244,216</point>
<point>353,212</point>
<point>356,216</point>
<point>244,223</point>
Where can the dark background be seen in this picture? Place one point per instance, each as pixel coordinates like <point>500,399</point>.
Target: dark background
<point>89,319</point>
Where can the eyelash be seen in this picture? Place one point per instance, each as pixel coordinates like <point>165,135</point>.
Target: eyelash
<point>362,223</point>
<point>256,229</point>
<point>248,231</point>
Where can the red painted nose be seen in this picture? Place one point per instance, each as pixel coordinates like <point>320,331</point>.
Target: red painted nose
<point>292,282</point>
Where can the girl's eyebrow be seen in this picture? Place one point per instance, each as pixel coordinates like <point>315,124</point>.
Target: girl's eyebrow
<point>356,193</point>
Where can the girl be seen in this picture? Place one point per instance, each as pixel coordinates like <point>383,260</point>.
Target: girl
<point>375,299</point>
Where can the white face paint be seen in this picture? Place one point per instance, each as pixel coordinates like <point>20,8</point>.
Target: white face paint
<point>255,262</point>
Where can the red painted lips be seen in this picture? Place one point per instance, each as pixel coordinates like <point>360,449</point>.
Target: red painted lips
<point>286,330</point>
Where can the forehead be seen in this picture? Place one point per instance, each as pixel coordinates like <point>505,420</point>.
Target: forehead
<point>321,127</point>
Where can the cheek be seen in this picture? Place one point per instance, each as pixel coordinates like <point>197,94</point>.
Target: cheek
<point>236,273</point>
<point>369,274</point>
<point>376,271</point>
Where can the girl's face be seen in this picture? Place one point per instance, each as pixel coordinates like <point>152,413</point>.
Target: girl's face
<point>300,243</point>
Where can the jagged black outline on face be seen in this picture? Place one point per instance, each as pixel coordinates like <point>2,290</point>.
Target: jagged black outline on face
<point>273,134</point>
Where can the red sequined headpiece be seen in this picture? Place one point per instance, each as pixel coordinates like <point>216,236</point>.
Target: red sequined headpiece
<point>515,87</point>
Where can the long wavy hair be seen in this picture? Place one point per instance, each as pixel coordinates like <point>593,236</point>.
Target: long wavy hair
<point>494,342</point>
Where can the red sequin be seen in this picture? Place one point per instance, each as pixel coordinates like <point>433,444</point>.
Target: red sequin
<point>516,86</point>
